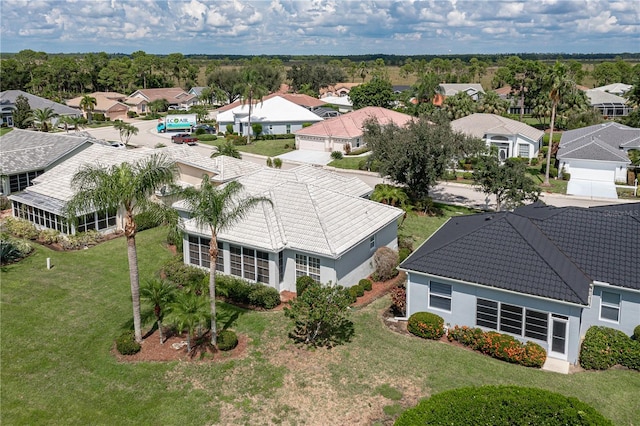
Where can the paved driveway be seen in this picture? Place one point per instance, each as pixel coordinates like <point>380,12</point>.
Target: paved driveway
<point>307,156</point>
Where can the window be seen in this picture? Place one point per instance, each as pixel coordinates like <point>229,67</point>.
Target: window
<point>372,242</point>
<point>523,150</point>
<point>235,260</point>
<point>220,258</point>
<point>487,313</point>
<point>249,264</point>
<point>262,267</point>
<point>288,128</point>
<point>440,296</point>
<point>610,306</point>
<point>307,265</point>
<point>199,252</point>
<point>281,266</point>
<point>21,181</point>
<point>510,318</point>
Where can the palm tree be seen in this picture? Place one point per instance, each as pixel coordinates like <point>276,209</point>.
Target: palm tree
<point>87,104</point>
<point>217,208</point>
<point>160,294</point>
<point>491,103</point>
<point>42,117</point>
<point>252,90</point>
<point>188,311</point>
<point>389,194</point>
<point>76,122</point>
<point>126,187</point>
<point>126,130</point>
<point>560,86</point>
<point>229,149</point>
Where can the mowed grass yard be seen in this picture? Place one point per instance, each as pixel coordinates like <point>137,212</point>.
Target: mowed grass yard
<point>58,328</point>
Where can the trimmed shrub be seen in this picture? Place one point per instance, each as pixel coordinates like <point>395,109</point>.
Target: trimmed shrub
<point>147,220</point>
<point>604,347</point>
<point>49,236</point>
<point>426,325</point>
<point>566,176</point>
<point>636,332</point>
<point>302,283</point>
<point>353,294</point>
<point>80,240</point>
<point>336,155</point>
<point>467,175</point>
<point>277,163</point>
<point>183,275</point>
<point>535,161</point>
<point>359,290</point>
<point>227,340</point>
<point>264,296</point>
<point>207,137</point>
<point>501,405</point>
<point>385,261</point>
<point>500,346</point>
<point>21,228</point>
<point>126,344</point>
<point>366,284</point>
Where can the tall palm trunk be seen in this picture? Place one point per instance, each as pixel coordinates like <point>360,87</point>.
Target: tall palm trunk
<point>213,253</point>
<point>132,256</point>
<point>553,122</point>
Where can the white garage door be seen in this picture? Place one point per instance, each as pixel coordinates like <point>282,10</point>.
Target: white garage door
<point>593,173</point>
<point>310,145</point>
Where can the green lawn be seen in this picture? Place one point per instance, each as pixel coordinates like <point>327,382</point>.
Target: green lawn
<point>350,163</point>
<point>268,148</point>
<point>5,130</point>
<point>419,227</point>
<point>58,328</point>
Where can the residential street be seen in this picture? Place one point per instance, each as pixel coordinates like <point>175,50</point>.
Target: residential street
<point>448,192</point>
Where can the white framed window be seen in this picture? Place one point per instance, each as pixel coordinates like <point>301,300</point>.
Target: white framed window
<point>249,264</point>
<point>372,242</point>
<point>523,150</point>
<point>512,319</point>
<point>288,128</point>
<point>610,306</point>
<point>307,265</point>
<point>440,296</point>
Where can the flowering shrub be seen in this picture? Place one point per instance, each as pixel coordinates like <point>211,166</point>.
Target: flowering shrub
<point>399,300</point>
<point>500,346</point>
<point>426,325</point>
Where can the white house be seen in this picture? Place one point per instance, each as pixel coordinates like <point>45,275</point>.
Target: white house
<point>276,115</point>
<point>619,89</point>
<point>512,138</point>
<point>334,134</point>
<point>609,105</point>
<point>474,90</point>
<point>596,158</point>
<point>539,273</point>
<point>318,225</point>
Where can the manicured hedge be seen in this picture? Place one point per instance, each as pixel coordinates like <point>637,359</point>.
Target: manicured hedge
<point>604,347</point>
<point>244,292</point>
<point>181,274</point>
<point>426,325</point>
<point>366,284</point>
<point>501,405</point>
<point>500,346</point>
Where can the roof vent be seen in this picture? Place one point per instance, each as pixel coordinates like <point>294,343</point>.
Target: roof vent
<point>490,217</point>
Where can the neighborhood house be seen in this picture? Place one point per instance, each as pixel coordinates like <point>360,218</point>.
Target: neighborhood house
<point>539,273</point>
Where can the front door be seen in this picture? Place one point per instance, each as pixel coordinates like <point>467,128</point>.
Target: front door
<point>559,338</point>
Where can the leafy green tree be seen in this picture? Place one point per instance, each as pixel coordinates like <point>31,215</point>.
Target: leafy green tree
<point>320,315</point>
<point>579,119</point>
<point>559,85</point>
<point>200,111</point>
<point>159,105</point>
<point>160,294</point>
<point>22,116</point>
<point>377,92</point>
<point>459,105</point>
<point>88,104</point>
<point>229,149</point>
<point>142,66</point>
<point>125,187</point>
<point>218,208</point>
<point>417,155</point>
<point>312,77</point>
<point>252,91</point>
<point>42,118</point>
<point>508,180</point>
<point>227,81</point>
<point>188,311</point>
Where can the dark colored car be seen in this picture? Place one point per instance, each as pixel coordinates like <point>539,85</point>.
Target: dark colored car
<point>207,129</point>
<point>184,138</point>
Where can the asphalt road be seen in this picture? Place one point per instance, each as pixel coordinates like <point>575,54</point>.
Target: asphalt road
<point>448,192</point>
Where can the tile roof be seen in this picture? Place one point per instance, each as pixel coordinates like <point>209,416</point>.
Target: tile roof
<point>598,97</point>
<point>36,102</point>
<point>171,94</point>
<point>450,89</point>
<point>603,141</point>
<point>615,88</point>
<point>350,125</point>
<point>26,150</point>
<point>309,218</point>
<point>543,251</point>
<point>275,109</point>
<point>103,102</point>
<point>478,125</point>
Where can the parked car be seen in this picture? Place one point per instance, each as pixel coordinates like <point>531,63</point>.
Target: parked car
<point>207,128</point>
<point>184,138</point>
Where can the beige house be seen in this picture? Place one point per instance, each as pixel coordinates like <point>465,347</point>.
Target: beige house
<point>111,104</point>
<point>175,96</point>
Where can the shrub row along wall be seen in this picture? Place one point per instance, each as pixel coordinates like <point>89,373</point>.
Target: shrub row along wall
<point>604,347</point>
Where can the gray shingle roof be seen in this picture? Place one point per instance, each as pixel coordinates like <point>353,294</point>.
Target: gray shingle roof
<point>36,102</point>
<point>26,150</point>
<point>602,141</point>
<point>538,250</point>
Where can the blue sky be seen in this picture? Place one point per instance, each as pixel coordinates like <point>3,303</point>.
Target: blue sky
<point>329,27</point>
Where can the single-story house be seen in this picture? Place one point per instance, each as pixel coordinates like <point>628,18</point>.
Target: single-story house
<point>27,154</point>
<point>474,90</point>
<point>338,90</point>
<point>596,157</point>
<point>276,114</point>
<point>175,96</point>
<point>515,101</point>
<point>342,103</point>
<point>334,134</point>
<point>43,202</point>
<point>8,101</point>
<point>318,225</point>
<point>538,273</point>
<point>111,104</point>
<point>609,105</point>
<point>619,89</point>
<point>512,138</point>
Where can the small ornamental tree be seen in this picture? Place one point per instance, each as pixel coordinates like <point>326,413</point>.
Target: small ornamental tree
<point>320,315</point>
